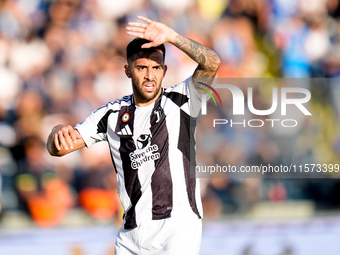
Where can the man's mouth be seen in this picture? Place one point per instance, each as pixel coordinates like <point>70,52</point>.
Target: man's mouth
<point>149,86</point>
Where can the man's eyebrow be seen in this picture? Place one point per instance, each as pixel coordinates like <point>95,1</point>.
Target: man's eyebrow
<point>156,65</point>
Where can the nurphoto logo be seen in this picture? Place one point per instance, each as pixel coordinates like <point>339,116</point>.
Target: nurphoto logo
<point>282,98</point>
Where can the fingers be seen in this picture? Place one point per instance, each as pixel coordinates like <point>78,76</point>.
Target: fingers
<point>153,31</point>
<point>73,136</point>
<point>148,45</point>
<point>66,136</point>
<point>136,34</point>
<point>137,24</point>
<point>136,29</point>
<point>62,136</point>
<point>78,136</point>
<point>144,19</point>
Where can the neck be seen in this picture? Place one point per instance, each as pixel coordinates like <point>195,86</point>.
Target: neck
<point>142,102</point>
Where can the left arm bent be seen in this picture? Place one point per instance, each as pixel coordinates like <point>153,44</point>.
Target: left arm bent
<point>207,60</point>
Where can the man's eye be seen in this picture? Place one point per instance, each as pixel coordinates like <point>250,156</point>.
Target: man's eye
<point>141,68</point>
<point>157,67</point>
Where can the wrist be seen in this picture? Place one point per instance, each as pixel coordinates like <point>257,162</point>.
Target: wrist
<point>172,36</point>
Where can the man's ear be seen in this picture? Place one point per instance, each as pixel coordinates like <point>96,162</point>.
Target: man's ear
<point>127,71</point>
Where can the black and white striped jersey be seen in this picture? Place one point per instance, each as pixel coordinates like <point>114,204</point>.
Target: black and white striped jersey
<point>150,149</point>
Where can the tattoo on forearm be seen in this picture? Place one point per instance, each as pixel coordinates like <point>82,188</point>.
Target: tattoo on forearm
<point>202,59</point>
<point>207,59</point>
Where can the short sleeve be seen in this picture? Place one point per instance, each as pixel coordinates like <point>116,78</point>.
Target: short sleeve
<point>194,98</point>
<point>89,128</point>
<point>186,97</point>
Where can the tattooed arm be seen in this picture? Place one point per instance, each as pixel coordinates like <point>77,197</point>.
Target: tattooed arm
<point>207,60</point>
<point>157,33</point>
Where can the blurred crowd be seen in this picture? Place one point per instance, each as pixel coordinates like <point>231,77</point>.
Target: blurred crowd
<point>62,59</point>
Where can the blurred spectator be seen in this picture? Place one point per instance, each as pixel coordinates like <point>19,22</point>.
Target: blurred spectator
<point>233,40</point>
<point>98,188</point>
<point>42,193</point>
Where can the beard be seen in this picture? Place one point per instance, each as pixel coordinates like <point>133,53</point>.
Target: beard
<point>143,94</point>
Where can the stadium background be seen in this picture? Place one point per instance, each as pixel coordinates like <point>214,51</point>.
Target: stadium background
<point>61,59</point>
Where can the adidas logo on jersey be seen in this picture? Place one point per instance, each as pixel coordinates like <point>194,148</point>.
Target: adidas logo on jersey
<point>125,130</point>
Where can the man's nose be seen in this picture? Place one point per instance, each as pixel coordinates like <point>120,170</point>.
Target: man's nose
<point>149,74</point>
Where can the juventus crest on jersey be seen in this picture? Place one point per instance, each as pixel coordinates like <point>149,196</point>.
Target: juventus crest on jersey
<point>150,148</point>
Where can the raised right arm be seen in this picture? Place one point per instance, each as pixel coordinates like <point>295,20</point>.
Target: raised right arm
<point>63,140</point>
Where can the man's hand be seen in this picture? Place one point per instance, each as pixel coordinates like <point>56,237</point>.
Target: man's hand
<point>63,140</point>
<point>157,33</point>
